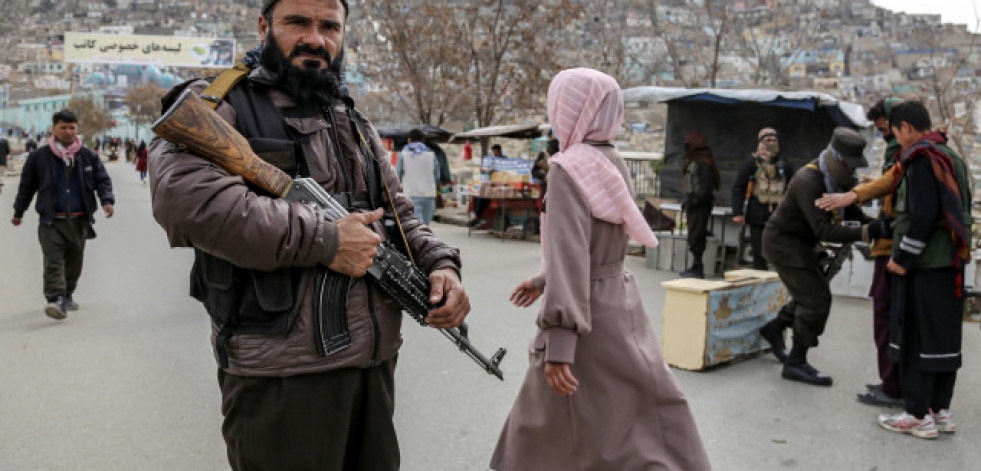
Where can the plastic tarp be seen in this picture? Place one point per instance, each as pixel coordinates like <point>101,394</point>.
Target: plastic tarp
<point>402,133</point>
<point>810,101</point>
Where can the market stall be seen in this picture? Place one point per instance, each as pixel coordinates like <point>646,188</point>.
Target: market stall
<point>503,197</point>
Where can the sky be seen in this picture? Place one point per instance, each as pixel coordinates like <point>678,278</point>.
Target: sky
<point>951,11</point>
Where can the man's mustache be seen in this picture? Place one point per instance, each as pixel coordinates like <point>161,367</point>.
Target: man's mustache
<point>318,52</point>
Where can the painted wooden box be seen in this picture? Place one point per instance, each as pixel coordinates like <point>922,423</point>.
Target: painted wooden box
<point>708,322</point>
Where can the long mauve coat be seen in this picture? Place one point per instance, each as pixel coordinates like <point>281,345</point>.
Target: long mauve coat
<point>629,413</point>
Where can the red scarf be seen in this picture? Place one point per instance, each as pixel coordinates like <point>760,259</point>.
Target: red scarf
<point>950,193</point>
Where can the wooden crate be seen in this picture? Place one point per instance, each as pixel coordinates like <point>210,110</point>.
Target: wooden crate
<point>708,322</point>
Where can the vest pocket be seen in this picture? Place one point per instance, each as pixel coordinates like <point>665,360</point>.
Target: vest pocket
<point>279,152</point>
<point>243,301</point>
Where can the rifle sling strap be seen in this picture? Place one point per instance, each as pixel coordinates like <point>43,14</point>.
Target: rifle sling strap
<point>224,83</point>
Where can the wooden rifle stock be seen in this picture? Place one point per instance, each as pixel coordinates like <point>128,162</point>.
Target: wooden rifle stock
<point>191,123</point>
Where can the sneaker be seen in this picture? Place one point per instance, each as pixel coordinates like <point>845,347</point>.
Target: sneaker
<point>906,423</point>
<point>945,421</point>
<point>55,308</point>
<point>70,304</point>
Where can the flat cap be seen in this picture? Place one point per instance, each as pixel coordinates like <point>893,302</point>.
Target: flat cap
<point>849,146</point>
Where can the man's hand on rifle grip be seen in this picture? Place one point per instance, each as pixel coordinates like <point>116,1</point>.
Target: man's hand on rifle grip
<point>446,286</point>
<point>356,244</point>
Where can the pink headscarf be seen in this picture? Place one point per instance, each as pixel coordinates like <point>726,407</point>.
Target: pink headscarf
<point>587,105</point>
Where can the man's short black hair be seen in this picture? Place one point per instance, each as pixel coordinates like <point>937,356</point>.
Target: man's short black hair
<point>496,147</point>
<point>912,112</point>
<point>417,135</point>
<point>267,6</point>
<point>64,116</point>
<point>878,110</point>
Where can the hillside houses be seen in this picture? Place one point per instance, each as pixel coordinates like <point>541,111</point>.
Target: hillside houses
<point>853,50</point>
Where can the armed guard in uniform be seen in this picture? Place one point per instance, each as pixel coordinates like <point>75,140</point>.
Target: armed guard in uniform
<point>791,241</point>
<point>759,188</point>
<point>701,181</point>
<point>306,375</point>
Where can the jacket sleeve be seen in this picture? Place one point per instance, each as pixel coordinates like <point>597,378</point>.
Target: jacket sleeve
<point>201,205</point>
<point>820,221</point>
<point>923,199</point>
<point>565,314</point>
<point>430,253</point>
<point>739,188</point>
<point>28,186</point>
<point>877,188</point>
<point>103,184</point>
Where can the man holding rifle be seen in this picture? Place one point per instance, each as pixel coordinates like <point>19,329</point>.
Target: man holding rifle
<point>759,188</point>
<point>290,402</point>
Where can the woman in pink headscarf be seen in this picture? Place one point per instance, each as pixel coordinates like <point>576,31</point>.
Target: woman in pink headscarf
<point>597,395</point>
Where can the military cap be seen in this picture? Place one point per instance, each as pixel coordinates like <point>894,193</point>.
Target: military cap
<point>849,146</point>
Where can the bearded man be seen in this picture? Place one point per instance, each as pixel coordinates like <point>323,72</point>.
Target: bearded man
<point>290,400</point>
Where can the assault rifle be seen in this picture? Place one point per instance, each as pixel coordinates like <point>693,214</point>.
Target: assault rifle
<point>831,265</point>
<point>190,123</point>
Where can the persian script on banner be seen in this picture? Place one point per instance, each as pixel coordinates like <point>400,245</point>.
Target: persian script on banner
<point>172,51</point>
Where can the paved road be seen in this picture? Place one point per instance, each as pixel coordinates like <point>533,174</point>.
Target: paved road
<point>128,382</point>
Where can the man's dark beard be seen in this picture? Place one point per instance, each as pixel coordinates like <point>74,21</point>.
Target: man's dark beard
<point>306,83</point>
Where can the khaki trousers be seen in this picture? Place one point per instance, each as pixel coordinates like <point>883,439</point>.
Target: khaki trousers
<point>63,246</point>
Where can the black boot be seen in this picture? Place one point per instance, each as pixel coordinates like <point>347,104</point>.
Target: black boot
<point>796,368</point>
<point>772,332</point>
<point>695,271</point>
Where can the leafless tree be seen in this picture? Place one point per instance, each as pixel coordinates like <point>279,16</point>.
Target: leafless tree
<point>92,118</point>
<point>949,52</point>
<point>693,38</point>
<point>419,57</point>
<point>476,61</point>
<point>765,36</point>
<point>144,104</point>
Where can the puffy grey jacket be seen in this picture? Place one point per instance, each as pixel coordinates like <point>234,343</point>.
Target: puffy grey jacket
<point>200,205</point>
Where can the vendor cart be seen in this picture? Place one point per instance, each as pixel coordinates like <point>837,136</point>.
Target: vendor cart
<point>508,207</point>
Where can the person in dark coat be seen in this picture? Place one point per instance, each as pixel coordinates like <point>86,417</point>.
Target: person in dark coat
<point>4,151</point>
<point>759,187</point>
<point>791,241</point>
<point>931,243</point>
<point>66,177</point>
<point>701,180</point>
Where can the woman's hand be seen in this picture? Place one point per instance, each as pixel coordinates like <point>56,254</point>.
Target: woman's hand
<point>525,294</point>
<point>559,377</point>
